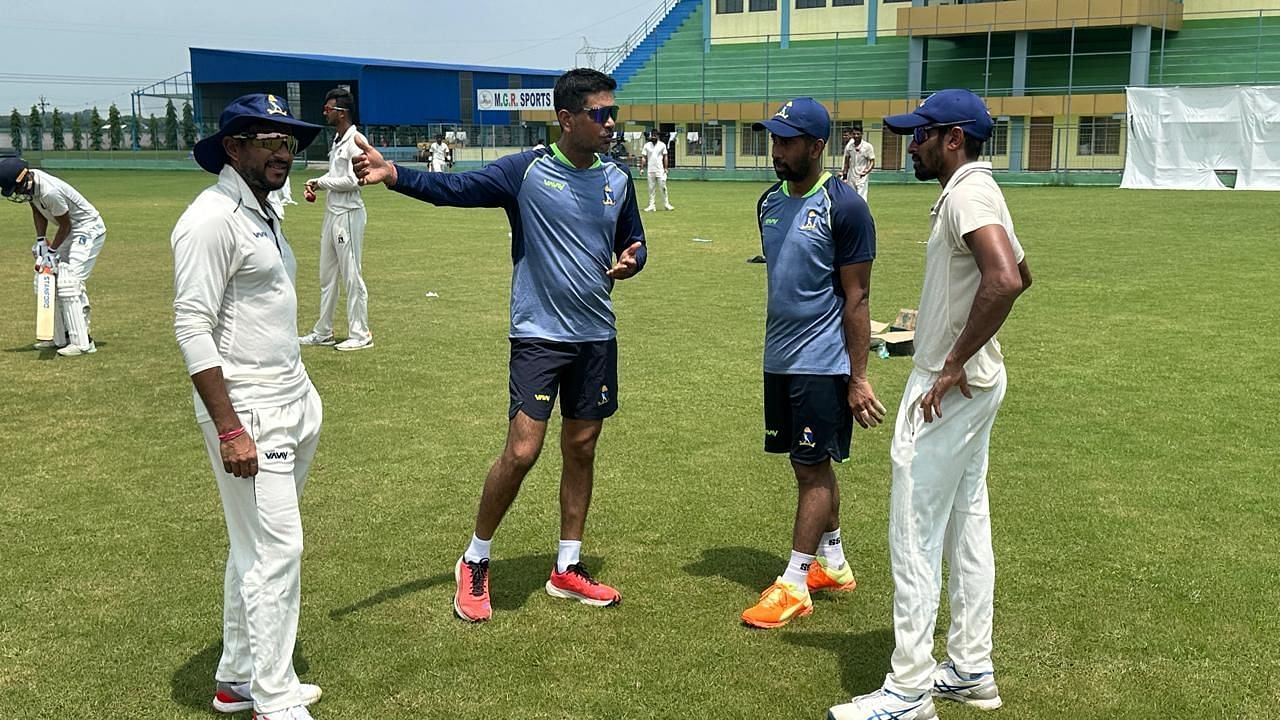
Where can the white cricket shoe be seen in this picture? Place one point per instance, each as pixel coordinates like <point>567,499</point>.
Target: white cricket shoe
<point>236,697</point>
<point>671,207</point>
<point>76,350</point>
<point>297,712</point>
<point>354,344</point>
<point>313,338</point>
<point>976,689</point>
<point>650,209</point>
<point>46,345</point>
<point>883,704</point>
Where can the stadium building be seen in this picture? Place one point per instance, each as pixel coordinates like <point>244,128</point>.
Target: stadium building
<point>400,104</point>
<point>1053,72</point>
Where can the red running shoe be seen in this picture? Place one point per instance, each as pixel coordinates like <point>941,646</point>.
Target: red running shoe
<point>575,583</point>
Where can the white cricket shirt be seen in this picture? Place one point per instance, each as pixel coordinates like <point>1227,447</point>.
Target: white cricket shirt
<point>655,154</point>
<point>971,200</point>
<point>860,157</point>
<point>234,302</point>
<point>439,152</point>
<point>341,186</point>
<point>54,198</point>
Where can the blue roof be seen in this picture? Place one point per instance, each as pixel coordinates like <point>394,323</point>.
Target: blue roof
<point>383,62</point>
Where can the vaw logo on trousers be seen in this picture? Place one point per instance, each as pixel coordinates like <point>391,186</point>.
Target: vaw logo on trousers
<point>276,454</point>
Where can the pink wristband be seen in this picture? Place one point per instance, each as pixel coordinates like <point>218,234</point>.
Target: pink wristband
<point>230,435</point>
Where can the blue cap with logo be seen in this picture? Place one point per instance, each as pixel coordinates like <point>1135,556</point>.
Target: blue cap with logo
<point>12,172</point>
<point>243,112</point>
<point>946,107</point>
<point>802,116</point>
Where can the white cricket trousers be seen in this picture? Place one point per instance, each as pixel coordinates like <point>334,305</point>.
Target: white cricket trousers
<point>76,257</point>
<point>938,508</point>
<point>263,579</point>
<point>341,249</point>
<point>658,181</point>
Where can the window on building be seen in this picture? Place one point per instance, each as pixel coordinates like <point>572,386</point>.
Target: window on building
<point>723,7</point>
<point>762,5</point>
<point>1099,136</point>
<point>805,4</point>
<point>845,3</point>
<point>702,139</point>
<point>754,142</point>
<point>466,97</point>
<point>890,156</point>
<point>998,144</point>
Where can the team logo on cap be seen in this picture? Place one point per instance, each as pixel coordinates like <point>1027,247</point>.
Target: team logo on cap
<point>273,107</point>
<point>784,112</point>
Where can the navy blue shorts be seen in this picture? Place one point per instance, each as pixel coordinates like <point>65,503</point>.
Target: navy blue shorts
<point>585,374</point>
<point>807,416</point>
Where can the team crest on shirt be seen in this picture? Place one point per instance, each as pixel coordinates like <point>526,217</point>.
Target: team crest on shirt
<point>810,220</point>
<point>604,396</point>
<point>608,194</point>
<point>806,438</point>
<point>273,107</point>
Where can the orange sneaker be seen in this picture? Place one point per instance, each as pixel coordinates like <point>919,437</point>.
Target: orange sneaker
<point>471,598</point>
<point>822,577</point>
<point>575,583</point>
<point>779,604</point>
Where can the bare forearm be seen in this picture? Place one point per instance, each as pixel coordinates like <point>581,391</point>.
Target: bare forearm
<point>41,222</point>
<point>990,307</point>
<point>213,392</point>
<point>60,237</point>
<point>857,335</point>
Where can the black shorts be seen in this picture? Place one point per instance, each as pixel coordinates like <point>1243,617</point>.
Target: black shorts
<point>807,416</point>
<point>587,372</point>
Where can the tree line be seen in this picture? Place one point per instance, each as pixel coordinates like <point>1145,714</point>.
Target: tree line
<point>87,129</point>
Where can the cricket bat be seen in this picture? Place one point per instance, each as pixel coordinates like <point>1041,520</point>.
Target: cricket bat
<point>45,298</point>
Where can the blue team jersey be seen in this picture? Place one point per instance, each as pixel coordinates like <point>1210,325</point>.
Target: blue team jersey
<point>806,240</point>
<point>567,226</point>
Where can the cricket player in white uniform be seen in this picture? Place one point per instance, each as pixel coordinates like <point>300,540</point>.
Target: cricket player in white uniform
<point>71,252</point>
<point>439,153</point>
<point>974,271</point>
<point>342,236</point>
<point>278,199</point>
<point>654,153</point>
<point>859,161</point>
<point>235,311</point>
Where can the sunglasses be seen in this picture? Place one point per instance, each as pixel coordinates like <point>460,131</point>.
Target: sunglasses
<point>326,109</point>
<point>601,115</point>
<point>921,134</point>
<point>270,141</point>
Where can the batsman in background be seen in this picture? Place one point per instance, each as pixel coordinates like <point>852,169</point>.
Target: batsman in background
<point>820,241</point>
<point>572,210</point>
<point>974,270</point>
<point>342,236</point>
<point>71,252</point>
<point>235,318</point>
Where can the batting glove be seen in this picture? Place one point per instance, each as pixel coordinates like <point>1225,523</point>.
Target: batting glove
<point>38,250</point>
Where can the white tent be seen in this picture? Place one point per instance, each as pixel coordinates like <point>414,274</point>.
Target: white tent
<point>1179,138</point>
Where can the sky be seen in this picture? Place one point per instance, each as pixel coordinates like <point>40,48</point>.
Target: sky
<point>82,53</point>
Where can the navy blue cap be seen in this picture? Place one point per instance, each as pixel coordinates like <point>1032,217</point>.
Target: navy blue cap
<point>802,116</point>
<point>243,112</point>
<point>12,171</point>
<point>946,107</point>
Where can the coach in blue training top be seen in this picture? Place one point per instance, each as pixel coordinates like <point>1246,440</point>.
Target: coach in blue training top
<point>572,210</point>
<point>820,242</point>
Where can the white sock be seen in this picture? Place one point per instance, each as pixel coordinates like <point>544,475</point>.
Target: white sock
<point>798,569</point>
<point>478,549</point>
<point>832,550</point>
<point>570,553</point>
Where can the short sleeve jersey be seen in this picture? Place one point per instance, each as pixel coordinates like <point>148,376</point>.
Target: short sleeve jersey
<point>54,198</point>
<point>806,241</point>
<point>971,200</point>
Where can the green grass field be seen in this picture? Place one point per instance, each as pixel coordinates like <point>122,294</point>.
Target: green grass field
<point>1131,477</point>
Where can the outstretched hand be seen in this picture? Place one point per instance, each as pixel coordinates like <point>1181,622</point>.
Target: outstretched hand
<point>627,264</point>
<point>370,167</point>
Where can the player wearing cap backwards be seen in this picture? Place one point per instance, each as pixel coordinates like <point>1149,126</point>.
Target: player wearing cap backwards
<point>71,252</point>
<point>974,270</point>
<point>572,210</point>
<point>820,241</point>
<point>235,317</point>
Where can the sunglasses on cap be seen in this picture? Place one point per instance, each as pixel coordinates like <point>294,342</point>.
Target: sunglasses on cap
<point>921,134</point>
<point>603,114</point>
<point>270,141</point>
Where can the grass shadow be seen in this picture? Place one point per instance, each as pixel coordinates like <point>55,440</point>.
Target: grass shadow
<point>862,659</point>
<point>511,583</point>
<point>749,567</point>
<point>192,684</point>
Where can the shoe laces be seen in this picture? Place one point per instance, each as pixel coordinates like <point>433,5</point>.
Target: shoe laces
<point>775,596</point>
<point>479,573</point>
<point>581,571</point>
